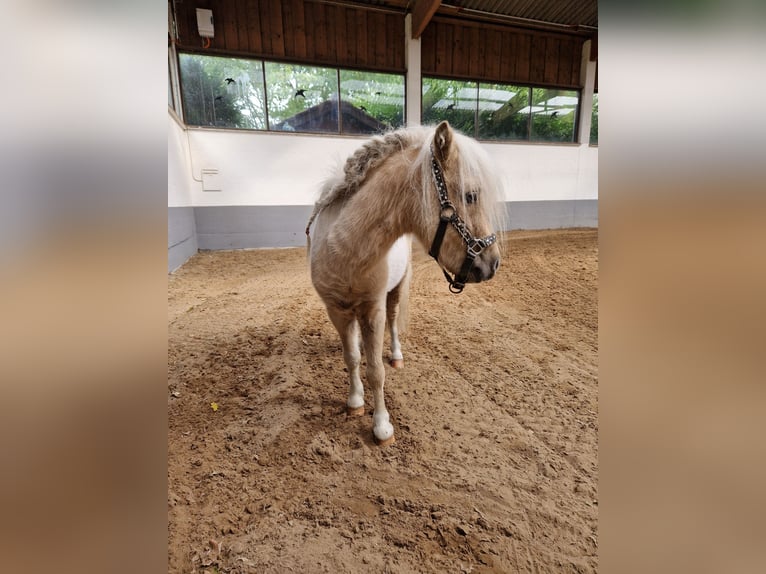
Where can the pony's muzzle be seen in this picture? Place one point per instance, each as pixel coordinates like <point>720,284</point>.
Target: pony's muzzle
<point>484,270</point>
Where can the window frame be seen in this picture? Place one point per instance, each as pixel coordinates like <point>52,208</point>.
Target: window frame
<point>590,136</point>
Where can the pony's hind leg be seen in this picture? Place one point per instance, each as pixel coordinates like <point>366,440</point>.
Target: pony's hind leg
<point>396,316</point>
<point>373,324</point>
<point>392,315</point>
<point>348,329</point>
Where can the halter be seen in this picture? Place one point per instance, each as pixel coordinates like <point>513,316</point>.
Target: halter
<point>448,214</point>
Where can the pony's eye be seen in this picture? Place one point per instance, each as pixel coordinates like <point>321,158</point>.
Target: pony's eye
<point>471,197</point>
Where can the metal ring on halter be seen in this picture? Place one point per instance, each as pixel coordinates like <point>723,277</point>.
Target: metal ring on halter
<point>448,212</point>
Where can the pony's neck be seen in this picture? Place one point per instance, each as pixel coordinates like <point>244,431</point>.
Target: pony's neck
<point>385,208</point>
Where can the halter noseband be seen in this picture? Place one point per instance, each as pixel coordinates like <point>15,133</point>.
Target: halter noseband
<point>448,214</point>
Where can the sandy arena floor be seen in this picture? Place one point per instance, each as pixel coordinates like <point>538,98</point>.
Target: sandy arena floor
<point>495,468</point>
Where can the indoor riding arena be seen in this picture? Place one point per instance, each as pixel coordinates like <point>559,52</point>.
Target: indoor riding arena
<point>495,411</point>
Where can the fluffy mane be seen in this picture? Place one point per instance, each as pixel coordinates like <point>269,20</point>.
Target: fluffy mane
<point>370,155</point>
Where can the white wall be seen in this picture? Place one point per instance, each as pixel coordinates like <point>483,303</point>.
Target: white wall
<point>542,172</point>
<point>180,183</point>
<point>287,169</point>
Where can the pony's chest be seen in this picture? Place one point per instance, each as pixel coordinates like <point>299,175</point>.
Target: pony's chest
<point>398,258</point>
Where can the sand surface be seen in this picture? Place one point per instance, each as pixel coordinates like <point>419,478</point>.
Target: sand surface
<point>495,463</point>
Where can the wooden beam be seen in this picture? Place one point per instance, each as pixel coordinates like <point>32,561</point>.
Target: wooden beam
<point>422,14</point>
<point>594,48</point>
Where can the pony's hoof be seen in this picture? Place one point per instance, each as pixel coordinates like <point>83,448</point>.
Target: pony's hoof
<point>390,440</point>
<point>355,411</point>
<point>397,363</point>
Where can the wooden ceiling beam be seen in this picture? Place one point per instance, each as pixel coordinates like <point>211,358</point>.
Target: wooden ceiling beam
<point>422,14</point>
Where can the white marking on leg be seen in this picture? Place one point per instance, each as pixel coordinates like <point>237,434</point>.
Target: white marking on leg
<point>396,347</point>
<point>381,426</point>
<point>373,327</point>
<point>353,356</point>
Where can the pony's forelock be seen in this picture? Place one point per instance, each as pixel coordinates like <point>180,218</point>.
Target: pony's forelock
<point>474,165</point>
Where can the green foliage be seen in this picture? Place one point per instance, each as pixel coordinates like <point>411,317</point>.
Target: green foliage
<point>229,92</point>
<point>503,110</point>
<point>380,96</point>
<point>446,100</point>
<point>506,123</point>
<point>553,123</point>
<point>222,92</point>
<point>293,88</point>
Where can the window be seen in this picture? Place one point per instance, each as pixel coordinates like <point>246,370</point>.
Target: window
<point>553,115</point>
<point>302,98</point>
<point>594,122</point>
<point>371,102</point>
<point>501,111</point>
<point>229,92</point>
<point>222,92</point>
<point>451,100</point>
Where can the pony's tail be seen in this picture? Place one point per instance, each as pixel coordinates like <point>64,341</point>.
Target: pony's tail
<point>404,300</point>
<point>403,293</point>
<point>317,209</point>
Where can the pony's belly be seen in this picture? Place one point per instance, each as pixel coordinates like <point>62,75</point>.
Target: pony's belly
<point>398,258</point>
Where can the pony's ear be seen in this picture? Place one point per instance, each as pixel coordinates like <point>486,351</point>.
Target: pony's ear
<point>442,141</point>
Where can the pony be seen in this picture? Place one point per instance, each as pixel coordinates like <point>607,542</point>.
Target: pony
<point>431,183</point>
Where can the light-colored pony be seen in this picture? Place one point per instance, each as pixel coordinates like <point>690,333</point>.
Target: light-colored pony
<point>360,244</point>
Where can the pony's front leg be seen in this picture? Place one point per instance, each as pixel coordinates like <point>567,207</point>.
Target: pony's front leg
<point>373,323</point>
<point>348,329</point>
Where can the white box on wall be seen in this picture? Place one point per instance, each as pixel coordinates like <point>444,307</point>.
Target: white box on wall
<point>205,23</point>
<point>211,180</point>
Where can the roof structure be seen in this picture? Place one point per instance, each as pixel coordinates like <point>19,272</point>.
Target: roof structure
<point>324,118</point>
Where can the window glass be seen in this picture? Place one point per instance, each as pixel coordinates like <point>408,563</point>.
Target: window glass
<point>222,92</point>
<point>371,102</point>
<point>302,98</point>
<point>451,100</point>
<point>594,121</point>
<point>553,114</point>
<point>500,116</point>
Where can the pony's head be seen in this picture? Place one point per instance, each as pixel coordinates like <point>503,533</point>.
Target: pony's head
<point>467,219</point>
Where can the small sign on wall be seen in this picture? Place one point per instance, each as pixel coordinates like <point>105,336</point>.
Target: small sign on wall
<point>211,180</point>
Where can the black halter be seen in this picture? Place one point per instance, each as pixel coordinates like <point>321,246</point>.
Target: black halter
<point>448,214</point>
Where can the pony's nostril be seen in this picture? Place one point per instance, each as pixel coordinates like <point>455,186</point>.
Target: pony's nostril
<point>495,265</point>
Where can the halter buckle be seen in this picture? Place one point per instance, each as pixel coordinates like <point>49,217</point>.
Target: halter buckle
<point>475,247</point>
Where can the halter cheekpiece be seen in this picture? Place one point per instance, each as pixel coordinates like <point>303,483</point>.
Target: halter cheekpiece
<point>448,214</point>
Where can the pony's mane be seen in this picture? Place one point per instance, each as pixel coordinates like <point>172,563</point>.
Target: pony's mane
<point>341,186</point>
